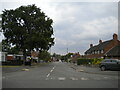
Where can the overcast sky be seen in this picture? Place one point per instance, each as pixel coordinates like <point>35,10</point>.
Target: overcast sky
<point>76,24</point>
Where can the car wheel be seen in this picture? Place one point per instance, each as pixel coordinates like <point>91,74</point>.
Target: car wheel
<point>103,68</point>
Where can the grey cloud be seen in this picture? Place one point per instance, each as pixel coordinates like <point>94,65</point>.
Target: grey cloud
<point>77,24</point>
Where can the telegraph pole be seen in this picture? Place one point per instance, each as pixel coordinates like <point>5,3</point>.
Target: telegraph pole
<point>67,50</point>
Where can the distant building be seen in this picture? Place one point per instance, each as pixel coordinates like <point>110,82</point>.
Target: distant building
<point>10,57</point>
<point>74,57</point>
<point>106,49</point>
<point>34,55</point>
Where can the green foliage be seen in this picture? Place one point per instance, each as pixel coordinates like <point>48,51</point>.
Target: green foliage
<point>13,50</point>
<point>87,61</point>
<point>57,56</point>
<point>69,55</point>
<point>66,57</point>
<point>44,55</point>
<point>27,28</point>
<point>7,48</point>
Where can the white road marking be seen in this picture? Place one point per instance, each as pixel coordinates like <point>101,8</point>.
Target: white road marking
<point>105,77</point>
<point>25,69</point>
<point>73,78</point>
<point>84,78</point>
<point>51,70</point>
<point>81,70</point>
<point>53,78</point>
<point>48,75</point>
<point>61,78</point>
<point>53,67</point>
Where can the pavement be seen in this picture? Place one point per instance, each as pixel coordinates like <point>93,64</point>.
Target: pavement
<point>9,69</point>
<point>92,69</point>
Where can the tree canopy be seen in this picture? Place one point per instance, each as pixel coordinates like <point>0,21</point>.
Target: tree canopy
<point>44,55</point>
<point>27,28</point>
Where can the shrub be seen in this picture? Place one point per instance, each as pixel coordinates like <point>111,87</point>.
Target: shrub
<point>13,62</point>
<point>88,61</point>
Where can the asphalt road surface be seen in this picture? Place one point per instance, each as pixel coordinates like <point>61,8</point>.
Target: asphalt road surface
<point>57,75</point>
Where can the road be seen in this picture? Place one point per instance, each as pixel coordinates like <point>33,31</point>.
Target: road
<point>57,75</point>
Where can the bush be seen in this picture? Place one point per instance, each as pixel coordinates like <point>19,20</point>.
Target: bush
<point>88,61</point>
<point>13,62</point>
<point>96,61</point>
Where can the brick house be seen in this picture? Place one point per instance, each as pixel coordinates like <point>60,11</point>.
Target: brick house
<point>34,55</point>
<point>113,53</point>
<point>75,56</point>
<point>104,49</point>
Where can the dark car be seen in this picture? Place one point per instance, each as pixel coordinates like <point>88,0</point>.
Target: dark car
<point>110,64</point>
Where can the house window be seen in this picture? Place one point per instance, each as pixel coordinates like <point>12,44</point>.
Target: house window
<point>96,52</point>
<point>99,51</point>
<point>102,51</point>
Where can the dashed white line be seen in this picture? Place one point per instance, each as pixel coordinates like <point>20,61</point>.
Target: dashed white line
<point>84,78</point>
<point>53,67</point>
<point>61,78</point>
<point>51,70</point>
<point>48,75</point>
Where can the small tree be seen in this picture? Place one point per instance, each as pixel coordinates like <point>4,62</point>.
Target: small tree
<point>44,55</point>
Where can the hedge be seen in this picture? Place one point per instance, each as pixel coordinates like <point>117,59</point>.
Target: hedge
<point>14,62</point>
<point>88,61</point>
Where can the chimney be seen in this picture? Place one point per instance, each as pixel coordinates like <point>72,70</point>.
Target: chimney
<point>100,41</point>
<point>115,37</point>
<point>91,45</point>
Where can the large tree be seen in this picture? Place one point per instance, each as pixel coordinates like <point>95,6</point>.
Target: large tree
<point>27,28</point>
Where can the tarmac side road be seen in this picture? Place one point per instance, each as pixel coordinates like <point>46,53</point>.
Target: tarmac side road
<point>92,70</point>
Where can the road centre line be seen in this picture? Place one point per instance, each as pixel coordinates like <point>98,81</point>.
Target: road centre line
<point>48,75</point>
<point>53,67</point>
<point>50,71</point>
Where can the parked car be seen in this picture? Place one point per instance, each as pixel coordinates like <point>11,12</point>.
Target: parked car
<point>110,64</point>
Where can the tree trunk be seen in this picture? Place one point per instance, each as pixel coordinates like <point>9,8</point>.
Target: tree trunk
<point>24,56</point>
<point>39,56</point>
